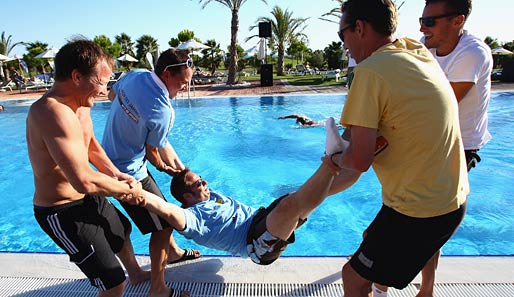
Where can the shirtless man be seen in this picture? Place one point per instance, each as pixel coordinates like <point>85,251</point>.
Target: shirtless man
<point>69,199</point>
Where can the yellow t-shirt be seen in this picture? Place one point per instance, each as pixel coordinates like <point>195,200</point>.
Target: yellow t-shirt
<point>401,91</point>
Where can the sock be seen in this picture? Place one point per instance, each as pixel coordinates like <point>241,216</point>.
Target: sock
<point>333,143</point>
<point>377,292</point>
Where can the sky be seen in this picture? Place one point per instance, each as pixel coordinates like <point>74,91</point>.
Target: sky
<point>55,21</point>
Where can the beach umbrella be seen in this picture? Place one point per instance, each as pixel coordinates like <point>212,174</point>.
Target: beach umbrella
<point>251,52</point>
<point>127,58</point>
<point>192,44</point>
<point>48,54</point>
<point>4,58</point>
<point>501,51</point>
<point>149,57</point>
<point>261,54</point>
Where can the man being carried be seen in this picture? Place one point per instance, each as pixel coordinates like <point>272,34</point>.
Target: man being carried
<point>220,222</point>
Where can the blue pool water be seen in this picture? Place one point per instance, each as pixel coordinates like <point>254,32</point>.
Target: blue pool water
<point>239,146</point>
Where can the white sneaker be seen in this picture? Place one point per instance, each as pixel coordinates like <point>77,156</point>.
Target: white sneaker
<point>333,143</point>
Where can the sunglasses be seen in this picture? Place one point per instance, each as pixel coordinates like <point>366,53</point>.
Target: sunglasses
<point>341,32</point>
<point>430,20</point>
<point>197,183</point>
<point>188,63</point>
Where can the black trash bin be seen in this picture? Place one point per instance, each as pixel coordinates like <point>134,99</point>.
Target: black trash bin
<point>508,71</point>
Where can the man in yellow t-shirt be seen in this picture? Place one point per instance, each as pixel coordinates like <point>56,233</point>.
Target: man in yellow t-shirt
<point>399,94</point>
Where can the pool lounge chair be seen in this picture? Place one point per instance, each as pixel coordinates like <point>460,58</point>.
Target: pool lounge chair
<point>35,85</point>
<point>6,85</point>
<point>114,78</point>
<point>331,73</point>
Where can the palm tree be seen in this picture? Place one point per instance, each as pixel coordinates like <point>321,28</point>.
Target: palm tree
<point>34,49</point>
<point>285,29</point>
<point>145,44</point>
<point>234,6</point>
<point>126,43</point>
<point>6,44</point>
<point>212,56</point>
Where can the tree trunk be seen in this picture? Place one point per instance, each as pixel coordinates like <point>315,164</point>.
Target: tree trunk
<point>232,66</point>
<point>280,66</point>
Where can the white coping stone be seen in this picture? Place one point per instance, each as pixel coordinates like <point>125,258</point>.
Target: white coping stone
<point>322,270</point>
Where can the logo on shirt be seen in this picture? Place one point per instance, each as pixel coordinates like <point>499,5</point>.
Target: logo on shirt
<point>129,108</point>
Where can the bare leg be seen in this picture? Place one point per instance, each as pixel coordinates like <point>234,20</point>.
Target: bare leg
<point>175,252</point>
<point>428,277</point>
<point>282,221</point>
<point>159,241</point>
<point>114,292</point>
<point>354,284</point>
<point>127,257</point>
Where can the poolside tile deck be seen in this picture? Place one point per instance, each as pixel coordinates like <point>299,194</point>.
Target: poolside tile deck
<point>53,275</point>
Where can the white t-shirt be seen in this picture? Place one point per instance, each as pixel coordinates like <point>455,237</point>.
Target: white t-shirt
<point>471,61</point>
<point>351,62</point>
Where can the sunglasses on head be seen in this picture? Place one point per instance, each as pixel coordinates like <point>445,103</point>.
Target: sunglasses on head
<point>188,63</point>
<point>429,21</point>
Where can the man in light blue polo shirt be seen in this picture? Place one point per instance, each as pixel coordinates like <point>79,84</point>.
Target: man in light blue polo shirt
<point>221,222</point>
<point>137,128</point>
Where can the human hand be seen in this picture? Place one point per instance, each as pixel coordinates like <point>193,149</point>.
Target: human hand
<point>131,181</point>
<point>134,196</point>
<point>171,171</point>
<point>333,167</point>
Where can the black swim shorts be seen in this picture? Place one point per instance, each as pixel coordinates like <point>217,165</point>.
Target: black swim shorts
<point>397,246</point>
<point>264,248</point>
<point>91,231</point>
<point>146,221</point>
<point>472,158</point>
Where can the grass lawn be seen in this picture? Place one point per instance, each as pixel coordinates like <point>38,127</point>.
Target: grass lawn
<point>300,80</point>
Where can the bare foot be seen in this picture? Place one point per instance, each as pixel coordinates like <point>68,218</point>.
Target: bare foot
<point>170,292</point>
<point>141,276</point>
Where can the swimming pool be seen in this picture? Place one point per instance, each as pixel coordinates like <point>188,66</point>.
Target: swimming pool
<point>243,151</point>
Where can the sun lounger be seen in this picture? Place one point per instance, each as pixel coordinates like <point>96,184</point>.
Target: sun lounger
<point>331,73</point>
<point>6,85</point>
<point>114,78</point>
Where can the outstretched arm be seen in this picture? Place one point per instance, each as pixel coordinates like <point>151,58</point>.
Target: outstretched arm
<point>168,211</point>
<point>291,116</point>
<point>164,159</point>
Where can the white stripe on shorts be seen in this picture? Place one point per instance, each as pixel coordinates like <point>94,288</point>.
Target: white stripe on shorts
<point>55,225</point>
<point>99,284</point>
<point>156,221</point>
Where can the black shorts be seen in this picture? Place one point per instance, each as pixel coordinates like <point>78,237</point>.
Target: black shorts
<point>397,246</point>
<point>146,221</point>
<point>91,231</point>
<point>264,248</point>
<point>472,158</point>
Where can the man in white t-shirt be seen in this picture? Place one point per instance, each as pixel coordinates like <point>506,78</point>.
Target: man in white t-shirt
<point>467,62</point>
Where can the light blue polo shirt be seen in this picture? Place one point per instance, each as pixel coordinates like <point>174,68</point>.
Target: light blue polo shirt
<point>141,113</point>
<point>220,223</point>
